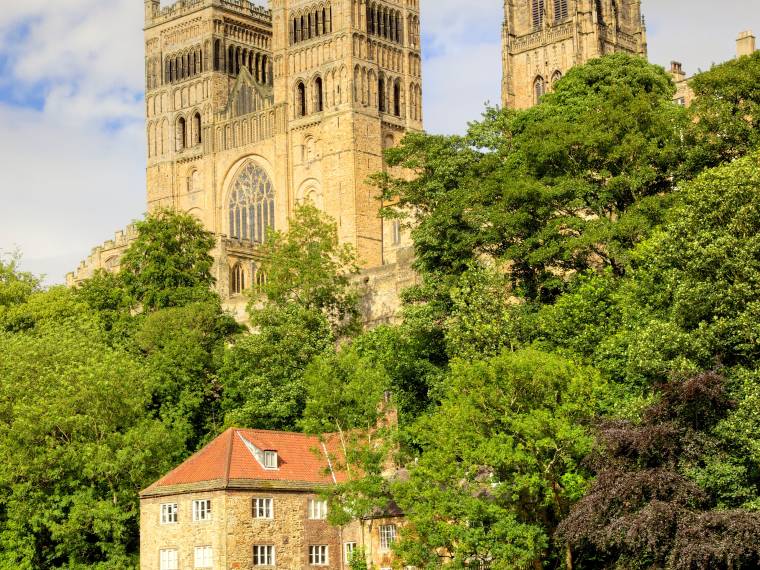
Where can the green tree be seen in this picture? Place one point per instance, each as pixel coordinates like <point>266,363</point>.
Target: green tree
<point>262,373</point>
<point>15,285</point>
<point>309,267</point>
<point>726,113</point>
<point>500,464</point>
<point>169,263</point>
<point>76,442</point>
<point>569,185</point>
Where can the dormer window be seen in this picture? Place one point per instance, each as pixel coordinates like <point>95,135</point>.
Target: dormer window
<point>270,460</point>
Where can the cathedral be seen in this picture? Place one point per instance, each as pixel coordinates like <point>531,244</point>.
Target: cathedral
<point>251,111</point>
<point>543,39</point>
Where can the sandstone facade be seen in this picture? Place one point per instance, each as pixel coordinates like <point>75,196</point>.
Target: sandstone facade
<point>543,39</point>
<point>252,110</point>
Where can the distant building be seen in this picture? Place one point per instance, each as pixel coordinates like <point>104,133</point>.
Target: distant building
<point>745,45</point>
<point>543,39</point>
<point>251,499</point>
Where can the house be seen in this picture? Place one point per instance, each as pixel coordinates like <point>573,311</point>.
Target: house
<point>252,499</point>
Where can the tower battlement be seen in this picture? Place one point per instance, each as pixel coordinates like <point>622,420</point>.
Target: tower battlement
<point>156,15</point>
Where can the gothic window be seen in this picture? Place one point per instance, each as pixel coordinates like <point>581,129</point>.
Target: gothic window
<point>237,279</point>
<point>560,10</point>
<point>260,280</point>
<point>556,77</point>
<point>181,134</point>
<point>301,100</point>
<point>381,94</point>
<point>251,208</point>
<point>197,138</point>
<point>218,56</point>
<point>397,98</point>
<point>537,13</point>
<point>539,88</point>
<point>319,100</point>
<point>265,75</point>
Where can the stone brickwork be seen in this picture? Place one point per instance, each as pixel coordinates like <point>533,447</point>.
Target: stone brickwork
<point>543,39</point>
<point>309,92</point>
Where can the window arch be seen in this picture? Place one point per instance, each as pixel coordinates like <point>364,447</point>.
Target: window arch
<point>539,89</point>
<point>237,279</point>
<point>251,206</point>
<point>197,137</point>
<point>260,279</point>
<point>181,133</point>
<point>397,98</point>
<point>319,97</point>
<point>381,99</point>
<point>537,13</point>
<point>556,76</point>
<point>300,99</point>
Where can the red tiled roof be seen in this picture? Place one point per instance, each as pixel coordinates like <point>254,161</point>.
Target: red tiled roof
<point>302,459</point>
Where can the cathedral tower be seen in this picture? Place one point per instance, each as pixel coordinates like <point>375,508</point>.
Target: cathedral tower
<point>543,39</point>
<point>252,110</point>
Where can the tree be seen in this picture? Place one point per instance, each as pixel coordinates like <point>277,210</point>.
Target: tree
<point>567,186</point>
<point>15,285</point>
<point>726,113</point>
<point>500,462</point>
<point>76,442</point>
<point>309,267</point>
<point>262,373</point>
<point>646,508</point>
<point>169,263</point>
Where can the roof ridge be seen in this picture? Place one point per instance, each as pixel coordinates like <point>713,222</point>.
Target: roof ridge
<point>231,442</point>
<point>282,432</point>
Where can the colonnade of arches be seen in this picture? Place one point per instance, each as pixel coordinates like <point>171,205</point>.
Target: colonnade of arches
<point>240,281</point>
<point>234,58</point>
<point>311,23</point>
<point>385,93</point>
<point>320,92</point>
<point>385,22</point>
<point>185,65</point>
<point>188,131</point>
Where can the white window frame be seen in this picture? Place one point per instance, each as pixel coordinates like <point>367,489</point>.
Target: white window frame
<point>348,551</point>
<point>387,536</point>
<point>317,509</point>
<point>204,557</point>
<point>169,513</point>
<point>166,561</point>
<point>319,555</point>
<point>268,553</point>
<point>270,460</point>
<point>202,510</point>
<point>263,508</point>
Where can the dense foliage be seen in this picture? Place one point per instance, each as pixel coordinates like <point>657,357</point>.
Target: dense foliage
<point>576,377</point>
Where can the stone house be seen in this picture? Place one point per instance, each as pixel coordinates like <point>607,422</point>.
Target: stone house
<point>252,499</point>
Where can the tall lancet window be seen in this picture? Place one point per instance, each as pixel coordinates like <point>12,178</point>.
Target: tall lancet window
<point>251,208</point>
<point>537,13</point>
<point>539,87</point>
<point>560,10</point>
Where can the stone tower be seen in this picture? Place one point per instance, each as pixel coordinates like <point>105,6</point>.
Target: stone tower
<point>543,39</point>
<point>252,110</point>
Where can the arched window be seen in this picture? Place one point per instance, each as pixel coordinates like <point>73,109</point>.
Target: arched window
<point>301,100</point>
<point>181,134</point>
<point>556,76</point>
<point>264,69</point>
<point>237,279</point>
<point>260,280</point>
<point>197,138</point>
<point>381,94</point>
<point>218,56</point>
<point>539,88</point>
<point>319,100</point>
<point>397,98</point>
<point>537,13</point>
<point>251,208</point>
<point>231,60</point>
<point>560,10</point>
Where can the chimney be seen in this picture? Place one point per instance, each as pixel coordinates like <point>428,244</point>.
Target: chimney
<point>676,71</point>
<point>745,44</point>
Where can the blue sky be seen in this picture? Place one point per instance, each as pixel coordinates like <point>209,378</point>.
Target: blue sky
<point>71,132</point>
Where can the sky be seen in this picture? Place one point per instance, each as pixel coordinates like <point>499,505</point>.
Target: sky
<point>71,103</point>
